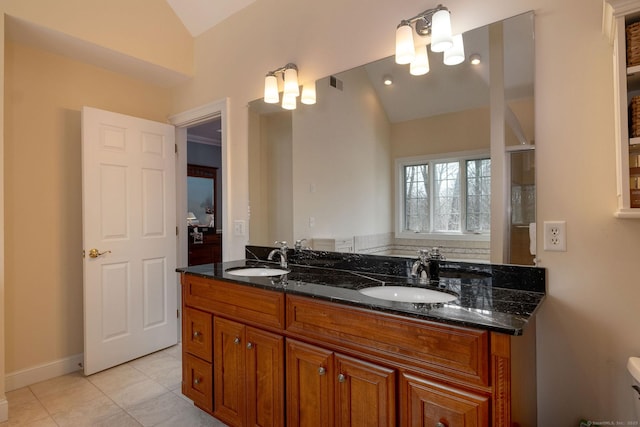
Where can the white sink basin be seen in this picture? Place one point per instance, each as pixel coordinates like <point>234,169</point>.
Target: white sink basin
<point>256,271</point>
<point>408,294</point>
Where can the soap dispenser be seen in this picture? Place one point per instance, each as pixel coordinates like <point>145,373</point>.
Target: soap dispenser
<point>434,264</point>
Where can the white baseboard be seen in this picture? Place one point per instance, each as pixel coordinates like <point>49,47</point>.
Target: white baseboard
<point>25,377</point>
<point>4,410</point>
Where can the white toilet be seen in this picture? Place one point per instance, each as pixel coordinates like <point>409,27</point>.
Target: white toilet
<point>633,365</point>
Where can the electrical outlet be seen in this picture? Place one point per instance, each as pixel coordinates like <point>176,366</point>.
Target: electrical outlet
<point>555,236</point>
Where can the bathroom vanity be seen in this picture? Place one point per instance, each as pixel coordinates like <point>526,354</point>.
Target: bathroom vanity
<point>307,348</point>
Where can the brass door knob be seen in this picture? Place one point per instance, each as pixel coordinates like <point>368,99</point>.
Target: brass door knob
<point>94,253</point>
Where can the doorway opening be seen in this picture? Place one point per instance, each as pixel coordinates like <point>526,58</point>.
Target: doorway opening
<point>201,142</point>
<point>204,191</point>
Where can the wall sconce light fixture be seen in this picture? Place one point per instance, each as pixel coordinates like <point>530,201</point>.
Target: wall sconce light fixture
<point>291,89</point>
<point>437,23</point>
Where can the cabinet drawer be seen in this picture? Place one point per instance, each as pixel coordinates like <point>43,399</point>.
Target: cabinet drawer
<point>251,305</point>
<point>197,333</point>
<point>455,352</point>
<point>197,381</point>
<point>426,403</point>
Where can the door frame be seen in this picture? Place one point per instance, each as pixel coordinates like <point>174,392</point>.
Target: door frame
<point>182,121</point>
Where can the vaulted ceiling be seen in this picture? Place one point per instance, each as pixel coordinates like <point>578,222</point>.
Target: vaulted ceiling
<point>200,15</point>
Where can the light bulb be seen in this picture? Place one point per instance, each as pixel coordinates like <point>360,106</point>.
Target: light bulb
<point>271,95</point>
<point>291,82</point>
<point>308,96</point>
<point>405,50</point>
<point>289,101</point>
<point>420,64</point>
<point>455,54</point>
<point>441,31</point>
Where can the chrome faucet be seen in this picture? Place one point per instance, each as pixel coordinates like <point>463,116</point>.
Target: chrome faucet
<point>282,251</point>
<point>427,267</point>
<point>420,268</point>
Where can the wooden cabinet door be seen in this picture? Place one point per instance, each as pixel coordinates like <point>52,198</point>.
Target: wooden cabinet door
<point>197,335</point>
<point>196,381</point>
<point>265,378</point>
<point>427,403</point>
<point>365,393</point>
<point>228,371</point>
<point>310,384</point>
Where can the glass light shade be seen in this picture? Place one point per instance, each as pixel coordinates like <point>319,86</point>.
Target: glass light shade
<point>291,82</point>
<point>405,50</point>
<point>289,101</point>
<point>420,64</point>
<point>271,95</point>
<point>308,96</point>
<point>455,54</point>
<point>441,39</point>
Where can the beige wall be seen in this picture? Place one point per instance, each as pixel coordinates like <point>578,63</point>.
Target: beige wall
<point>588,325</point>
<point>271,178</point>
<point>446,133</point>
<point>342,171</point>
<point>42,171</point>
<point>123,26</point>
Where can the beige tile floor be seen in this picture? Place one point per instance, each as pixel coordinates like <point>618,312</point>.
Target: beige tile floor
<point>143,392</point>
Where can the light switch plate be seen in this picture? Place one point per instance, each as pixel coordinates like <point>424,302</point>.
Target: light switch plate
<point>239,227</point>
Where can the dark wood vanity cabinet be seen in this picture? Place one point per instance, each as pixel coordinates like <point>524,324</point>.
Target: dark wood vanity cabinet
<point>325,388</point>
<point>197,355</point>
<point>429,403</point>
<point>248,375</point>
<point>206,250</point>
<point>342,365</point>
<point>245,383</point>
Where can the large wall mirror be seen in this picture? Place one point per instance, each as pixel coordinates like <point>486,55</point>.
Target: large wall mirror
<point>349,172</point>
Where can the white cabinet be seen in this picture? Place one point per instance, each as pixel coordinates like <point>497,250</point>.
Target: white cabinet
<point>617,15</point>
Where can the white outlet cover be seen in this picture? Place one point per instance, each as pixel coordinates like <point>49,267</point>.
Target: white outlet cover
<point>555,236</point>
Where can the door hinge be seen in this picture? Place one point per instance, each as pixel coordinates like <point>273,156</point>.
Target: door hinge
<point>175,148</point>
<point>176,230</point>
<point>178,313</point>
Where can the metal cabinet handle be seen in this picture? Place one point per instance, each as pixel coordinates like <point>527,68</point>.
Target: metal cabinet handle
<point>249,345</point>
<point>342,378</point>
<point>440,424</point>
<point>236,340</point>
<point>196,381</point>
<point>197,334</point>
<point>321,370</point>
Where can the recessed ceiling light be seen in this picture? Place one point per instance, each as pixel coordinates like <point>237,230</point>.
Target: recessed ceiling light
<point>387,80</point>
<point>474,59</point>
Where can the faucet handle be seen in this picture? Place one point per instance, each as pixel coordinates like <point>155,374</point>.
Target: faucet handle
<point>423,254</point>
<point>298,245</point>
<point>435,254</point>
<point>282,244</point>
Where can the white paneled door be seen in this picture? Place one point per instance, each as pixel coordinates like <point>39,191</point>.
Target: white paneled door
<point>129,238</point>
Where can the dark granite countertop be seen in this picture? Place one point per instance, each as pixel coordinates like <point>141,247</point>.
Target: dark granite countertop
<point>490,297</point>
